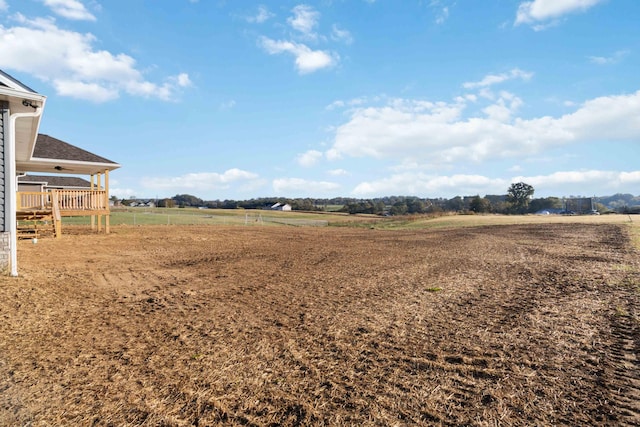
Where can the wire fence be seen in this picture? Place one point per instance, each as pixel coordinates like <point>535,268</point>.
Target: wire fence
<point>150,217</point>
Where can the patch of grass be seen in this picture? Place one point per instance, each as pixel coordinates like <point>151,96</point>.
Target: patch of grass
<point>191,216</point>
<point>634,227</point>
<point>621,311</point>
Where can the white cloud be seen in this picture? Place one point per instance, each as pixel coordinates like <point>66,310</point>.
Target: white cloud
<point>561,183</point>
<point>68,60</point>
<point>304,19</point>
<point>492,79</point>
<point>441,8</point>
<point>338,172</point>
<point>303,187</point>
<point>417,183</point>
<point>261,16</point>
<point>339,34</point>
<point>438,133</point>
<point>606,60</point>
<point>309,158</point>
<point>530,12</point>
<point>334,105</point>
<point>584,182</point>
<point>349,103</point>
<point>182,80</point>
<point>503,108</point>
<point>70,9</point>
<point>122,193</point>
<point>228,105</point>
<point>92,91</point>
<point>306,59</point>
<point>3,5</point>
<point>442,16</point>
<point>204,181</point>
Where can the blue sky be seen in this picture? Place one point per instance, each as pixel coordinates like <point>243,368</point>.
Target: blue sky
<point>355,98</point>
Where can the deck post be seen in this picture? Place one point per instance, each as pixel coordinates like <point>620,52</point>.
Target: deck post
<point>107,218</point>
<point>99,182</point>
<point>93,217</point>
<point>55,209</point>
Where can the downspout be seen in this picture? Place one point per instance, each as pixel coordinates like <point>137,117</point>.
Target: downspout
<point>12,185</point>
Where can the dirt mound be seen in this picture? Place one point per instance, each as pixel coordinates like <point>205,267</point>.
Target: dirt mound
<point>179,326</point>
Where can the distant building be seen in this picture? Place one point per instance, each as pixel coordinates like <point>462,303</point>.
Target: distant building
<point>42,183</point>
<point>579,205</point>
<point>281,207</point>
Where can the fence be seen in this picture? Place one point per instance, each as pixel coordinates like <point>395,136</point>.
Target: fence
<point>176,217</point>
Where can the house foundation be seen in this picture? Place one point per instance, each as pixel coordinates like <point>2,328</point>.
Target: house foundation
<point>5,251</point>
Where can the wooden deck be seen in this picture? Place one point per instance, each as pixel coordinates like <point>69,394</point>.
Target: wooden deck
<point>34,223</point>
<point>42,210</point>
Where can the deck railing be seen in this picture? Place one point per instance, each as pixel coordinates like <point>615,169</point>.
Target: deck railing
<point>82,200</point>
<point>33,200</point>
<point>76,201</point>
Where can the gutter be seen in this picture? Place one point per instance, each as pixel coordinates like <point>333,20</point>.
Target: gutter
<point>11,183</point>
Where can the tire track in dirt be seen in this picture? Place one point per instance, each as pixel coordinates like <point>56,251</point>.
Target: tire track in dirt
<point>518,325</point>
<point>535,291</point>
<point>623,364</point>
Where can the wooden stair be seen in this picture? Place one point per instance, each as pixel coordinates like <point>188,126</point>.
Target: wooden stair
<point>34,223</point>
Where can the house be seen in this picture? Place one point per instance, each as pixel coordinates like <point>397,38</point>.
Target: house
<point>44,183</point>
<point>579,205</point>
<point>281,207</point>
<point>23,150</point>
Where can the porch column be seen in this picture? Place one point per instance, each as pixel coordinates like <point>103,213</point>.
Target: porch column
<point>93,217</point>
<point>99,216</point>
<point>107,218</point>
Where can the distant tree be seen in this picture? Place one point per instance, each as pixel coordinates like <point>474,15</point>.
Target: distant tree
<point>399,208</point>
<point>187,200</point>
<point>378,207</point>
<point>166,203</point>
<point>519,195</point>
<point>601,208</point>
<point>302,205</point>
<point>479,205</point>
<point>415,205</point>
<point>362,207</point>
<point>456,204</point>
<point>229,204</point>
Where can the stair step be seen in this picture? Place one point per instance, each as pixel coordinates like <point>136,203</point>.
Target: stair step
<point>31,224</point>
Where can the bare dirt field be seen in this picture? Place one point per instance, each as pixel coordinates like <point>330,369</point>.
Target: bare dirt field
<point>516,325</point>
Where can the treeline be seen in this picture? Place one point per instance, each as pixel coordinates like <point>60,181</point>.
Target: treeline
<point>621,202</point>
<point>403,205</point>
<point>399,205</point>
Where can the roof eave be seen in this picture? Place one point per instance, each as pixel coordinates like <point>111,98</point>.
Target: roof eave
<point>59,166</point>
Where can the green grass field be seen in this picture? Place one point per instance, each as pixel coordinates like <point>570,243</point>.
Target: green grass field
<point>180,216</point>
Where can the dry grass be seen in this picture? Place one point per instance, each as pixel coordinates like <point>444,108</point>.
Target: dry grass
<point>181,326</point>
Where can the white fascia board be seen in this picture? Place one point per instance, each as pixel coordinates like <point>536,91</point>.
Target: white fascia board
<point>74,166</point>
<point>14,93</point>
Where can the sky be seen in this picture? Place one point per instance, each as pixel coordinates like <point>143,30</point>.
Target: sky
<point>338,98</point>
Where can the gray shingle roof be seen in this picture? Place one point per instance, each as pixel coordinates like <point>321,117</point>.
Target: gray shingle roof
<point>48,147</point>
<point>16,81</point>
<point>56,180</point>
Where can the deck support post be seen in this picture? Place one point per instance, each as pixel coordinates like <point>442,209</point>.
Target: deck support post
<point>99,176</point>
<point>93,217</point>
<point>107,218</point>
